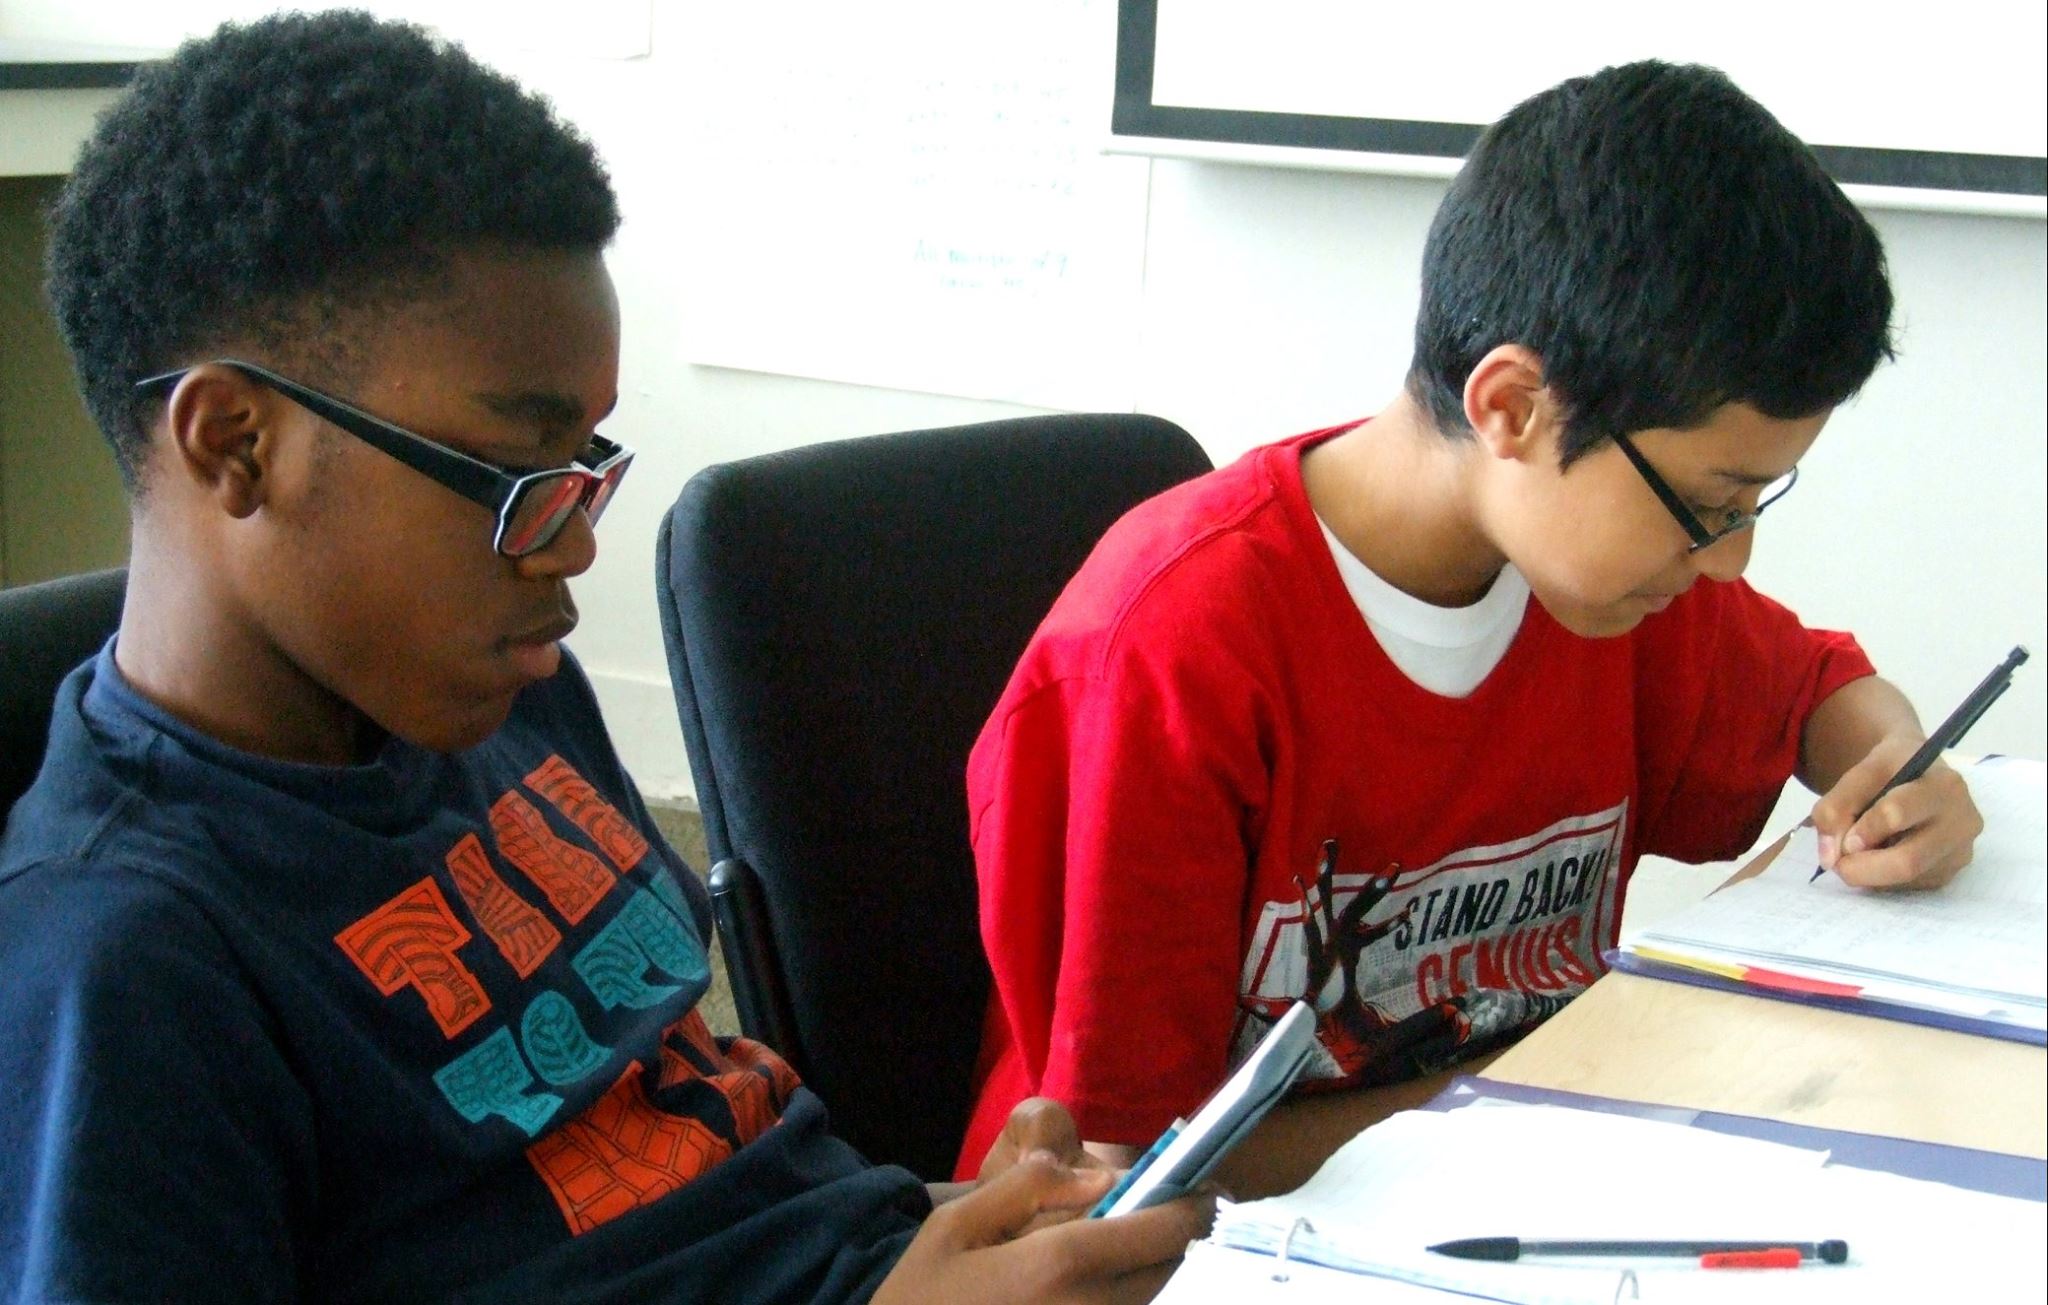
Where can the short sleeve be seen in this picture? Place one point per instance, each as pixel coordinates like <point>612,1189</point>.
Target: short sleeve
<point>1113,817</point>
<point>1722,700</point>
<point>153,1143</point>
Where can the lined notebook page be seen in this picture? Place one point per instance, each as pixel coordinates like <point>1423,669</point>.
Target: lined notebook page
<point>1985,933</point>
<point>2011,861</point>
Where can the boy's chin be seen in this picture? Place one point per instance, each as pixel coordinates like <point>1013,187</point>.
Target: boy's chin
<point>1605,621</point>
<point>448,731</point>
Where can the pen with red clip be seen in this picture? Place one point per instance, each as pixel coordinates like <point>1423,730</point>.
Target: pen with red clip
<point>1711,1255</point>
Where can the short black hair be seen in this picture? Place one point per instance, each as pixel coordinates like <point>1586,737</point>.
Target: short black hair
<point>274,174</point>
<point>1665,246</point>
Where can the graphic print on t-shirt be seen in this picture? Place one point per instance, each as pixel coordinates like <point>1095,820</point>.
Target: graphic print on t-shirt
<point>626,1150</point>
<point>656,1126</point>
<point>1412,970</point>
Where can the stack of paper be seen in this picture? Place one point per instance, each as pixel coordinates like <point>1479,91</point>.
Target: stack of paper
<point>1497,1169</point>
<point>1974,953</point>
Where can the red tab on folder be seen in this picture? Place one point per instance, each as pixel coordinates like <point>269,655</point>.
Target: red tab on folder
<point>1798,983</point>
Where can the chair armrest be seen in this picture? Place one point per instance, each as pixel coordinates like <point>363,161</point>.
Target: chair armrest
<point>745,936</point>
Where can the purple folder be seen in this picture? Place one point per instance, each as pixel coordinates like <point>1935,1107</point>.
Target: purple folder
<point>1958,1166</point>
<point>1629,963</point>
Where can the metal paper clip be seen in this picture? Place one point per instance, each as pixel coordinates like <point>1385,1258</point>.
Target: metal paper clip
<point>1629,1284</point>
<point>1286,1244</point>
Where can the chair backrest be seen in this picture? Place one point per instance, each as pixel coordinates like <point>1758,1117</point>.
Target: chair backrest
<point>46,630</point>
<point>840,620</point>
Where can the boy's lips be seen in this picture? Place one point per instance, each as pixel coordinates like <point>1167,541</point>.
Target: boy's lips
<point>1659,601</point>
<point>537,654</point>
<point>551,631</point>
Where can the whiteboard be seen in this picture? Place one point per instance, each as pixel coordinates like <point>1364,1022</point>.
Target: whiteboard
<point>1950,99</point>
<point>911,196</point>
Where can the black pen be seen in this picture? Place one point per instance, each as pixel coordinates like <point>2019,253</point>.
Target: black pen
<point>1746,1254</point>
<point>1949,734</point>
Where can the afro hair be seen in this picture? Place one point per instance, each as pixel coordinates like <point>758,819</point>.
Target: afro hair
<point>274,174</point>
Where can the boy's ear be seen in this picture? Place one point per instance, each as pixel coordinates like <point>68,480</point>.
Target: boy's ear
<point>219,438</point>
<point>1508,404</point>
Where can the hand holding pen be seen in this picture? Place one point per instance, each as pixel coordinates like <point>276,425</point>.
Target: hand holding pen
<point>1844,836</point>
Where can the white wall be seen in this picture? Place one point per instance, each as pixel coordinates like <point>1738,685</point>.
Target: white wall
<point>1275,300</point>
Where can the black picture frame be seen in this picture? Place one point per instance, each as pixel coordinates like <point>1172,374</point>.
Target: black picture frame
<point>1134,115</point>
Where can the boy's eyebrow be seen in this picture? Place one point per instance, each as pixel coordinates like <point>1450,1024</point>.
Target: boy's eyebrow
<point>547,411</point>
<point>1746,477</point>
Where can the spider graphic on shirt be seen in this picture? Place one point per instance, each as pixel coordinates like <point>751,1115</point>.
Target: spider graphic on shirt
<point>1369,1045</point>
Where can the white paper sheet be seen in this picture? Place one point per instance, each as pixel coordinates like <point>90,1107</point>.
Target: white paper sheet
<point>1548,1171</point>
<point>1982,941</point>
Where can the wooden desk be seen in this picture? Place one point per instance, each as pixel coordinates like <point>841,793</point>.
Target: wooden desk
<point>1676,1045</point>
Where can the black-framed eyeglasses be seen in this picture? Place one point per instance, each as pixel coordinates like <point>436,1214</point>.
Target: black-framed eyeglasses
<point>531,507</point>
<point>1728,520</point>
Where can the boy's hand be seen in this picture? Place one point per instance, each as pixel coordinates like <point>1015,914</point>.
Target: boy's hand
<point>1917,836</point>
<point>982,1249</point>
<point>1018,1235</point>
<point>1038,1124</point>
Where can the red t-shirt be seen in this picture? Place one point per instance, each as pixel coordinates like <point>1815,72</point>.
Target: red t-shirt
<point>1207,792</point>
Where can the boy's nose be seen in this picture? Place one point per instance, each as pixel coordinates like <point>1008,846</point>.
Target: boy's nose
<point>1727,557</point>
<point>569,553</point>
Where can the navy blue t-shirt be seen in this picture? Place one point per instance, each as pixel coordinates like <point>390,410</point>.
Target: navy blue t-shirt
<point>420,1029</point>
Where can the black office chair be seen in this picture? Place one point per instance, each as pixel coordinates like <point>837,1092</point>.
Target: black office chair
<point>840,620</point>
<point>45,630</point>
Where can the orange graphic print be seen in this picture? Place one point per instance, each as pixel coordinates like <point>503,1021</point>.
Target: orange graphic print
<point>626,1151</point>
<point>657,1126</point>
<point>557,781</point>
<point>755,1082</point>
<point>523,935</point>
<point>621,1154</point>
<point>573,879</point>
<point>411,940</point>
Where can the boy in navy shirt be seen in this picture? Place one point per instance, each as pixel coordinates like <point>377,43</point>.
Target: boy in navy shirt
<point>342,962</point>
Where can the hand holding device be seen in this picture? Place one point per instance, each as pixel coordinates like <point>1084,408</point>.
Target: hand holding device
<point>1187,1153</point>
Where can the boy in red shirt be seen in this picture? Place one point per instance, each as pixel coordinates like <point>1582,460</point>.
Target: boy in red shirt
<point>1382,716</point>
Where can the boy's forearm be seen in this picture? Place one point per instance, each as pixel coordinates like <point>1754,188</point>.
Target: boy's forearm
<point>1847,724</point>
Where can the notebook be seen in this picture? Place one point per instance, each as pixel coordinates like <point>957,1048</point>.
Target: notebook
<point>1970,956</point>
<point>1358,1231</point>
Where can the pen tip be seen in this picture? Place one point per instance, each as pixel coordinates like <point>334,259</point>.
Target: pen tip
<point>1834,1250</point>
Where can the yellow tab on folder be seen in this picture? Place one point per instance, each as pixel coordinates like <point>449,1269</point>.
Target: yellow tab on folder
<point>1726,971</point>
